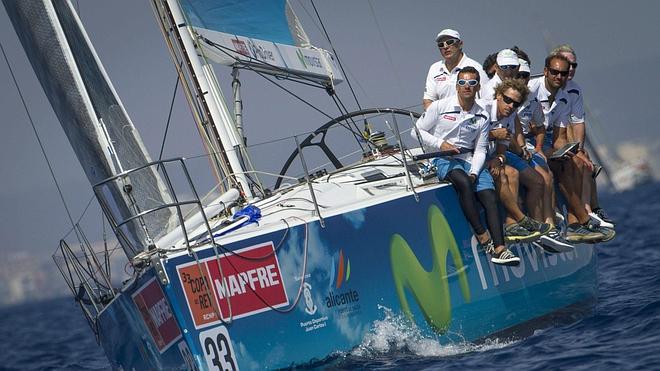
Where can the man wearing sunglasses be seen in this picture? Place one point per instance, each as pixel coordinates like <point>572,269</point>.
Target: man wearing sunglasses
<point>441,78</point>
<point>530,131</point>
<point>577,133</point>
<point>506,68</point>
<point>547,89</point>
<point>459,124</point>
<point>509,170</point>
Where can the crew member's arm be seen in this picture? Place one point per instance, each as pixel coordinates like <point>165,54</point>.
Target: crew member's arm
<point>517,145</point>
<point>429,90</point>
<point>537,128</point>
<point>425,125</point>
<point>480,149</point>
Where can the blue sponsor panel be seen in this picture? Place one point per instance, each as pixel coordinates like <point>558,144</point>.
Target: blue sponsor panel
<point>301,293</point>
<point>139,330</point>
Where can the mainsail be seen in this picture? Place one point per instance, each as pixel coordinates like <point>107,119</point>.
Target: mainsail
<point>265,35</point>
<point>91,114</point>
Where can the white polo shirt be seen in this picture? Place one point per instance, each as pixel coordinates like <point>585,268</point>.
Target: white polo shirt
<point>445,120</point>
<point>488,89</point>
<point>574,92</point>
<point>555,114</point>
<point>508,122</point>
<point>441,83</point>
<point>530,114</point>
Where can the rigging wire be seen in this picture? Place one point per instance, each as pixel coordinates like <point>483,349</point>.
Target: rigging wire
<point>169,115</point>
<point>340,106</point>
<point>357,82</point>
<point>387,49</point>
<point>341,66</point>
<point>34,129</point>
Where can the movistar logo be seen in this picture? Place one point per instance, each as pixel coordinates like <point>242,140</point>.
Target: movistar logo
<point>430,289</point>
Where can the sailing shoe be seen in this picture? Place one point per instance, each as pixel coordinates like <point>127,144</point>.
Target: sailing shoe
<point>600,221</point>
<point>608,233</point>
<point>504,257</point>
<point>553,242</point>
<point>533,225</point>
<point>489,246</point>
<point>602,217</point>
<point>589,233</point>
<point>517,233</point>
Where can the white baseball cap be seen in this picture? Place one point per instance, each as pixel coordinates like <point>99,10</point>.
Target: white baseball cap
<point>524,66</point>
<point>448,32</point>
<point>507,57</point>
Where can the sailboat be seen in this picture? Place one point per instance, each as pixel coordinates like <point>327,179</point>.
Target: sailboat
<point>251,276</point>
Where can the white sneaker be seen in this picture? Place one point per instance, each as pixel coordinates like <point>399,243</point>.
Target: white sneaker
<point>600,221</point>
<point>505,257</point>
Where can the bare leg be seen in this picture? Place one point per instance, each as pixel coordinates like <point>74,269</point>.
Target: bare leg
<point>548,195</point>
<point>568,176</point>
<point>507,190</point>
<point>534,184</point>
<point>587,189</point>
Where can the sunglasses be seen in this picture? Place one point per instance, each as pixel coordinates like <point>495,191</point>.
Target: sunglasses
<point>573,65</point>
<point>523,75</point>
<point>447,43</point>
<point>462,82</point>
<point>508,100</point>
<point>555,72</point>
<point>509,67</point>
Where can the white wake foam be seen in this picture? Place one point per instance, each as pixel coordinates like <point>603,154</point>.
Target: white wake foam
<point>395,334</point>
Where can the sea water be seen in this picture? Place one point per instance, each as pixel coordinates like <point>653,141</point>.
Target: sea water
<point>623,331</point>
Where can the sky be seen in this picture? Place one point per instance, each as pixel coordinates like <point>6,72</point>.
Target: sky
<point>386,47</point>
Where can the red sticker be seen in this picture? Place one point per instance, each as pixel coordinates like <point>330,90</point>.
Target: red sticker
<point>448,117</point>
<point>249,282</point>
<point>157,314</point>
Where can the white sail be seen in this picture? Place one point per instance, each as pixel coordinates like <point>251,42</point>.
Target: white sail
<point>91,114</point>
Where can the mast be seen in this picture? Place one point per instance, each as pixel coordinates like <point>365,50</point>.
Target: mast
<point>213,119</point>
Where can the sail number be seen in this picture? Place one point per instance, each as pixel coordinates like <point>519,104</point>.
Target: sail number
<point>218,351</point>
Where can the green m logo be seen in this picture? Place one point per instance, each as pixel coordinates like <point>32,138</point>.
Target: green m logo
<point>429,289</point>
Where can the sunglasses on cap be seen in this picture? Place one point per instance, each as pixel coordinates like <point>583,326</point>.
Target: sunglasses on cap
<point>463,82</point>
<point>508,100</point>
<point>509,67</point>
<point>555,72</point>
<point>444,44</point>
<point>523,75</point>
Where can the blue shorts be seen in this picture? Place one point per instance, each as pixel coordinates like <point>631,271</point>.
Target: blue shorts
<point>538,160</point>
<point>445,165</point>
<point>520,164</point>
<point>547,143</point>
<point>516,161</point>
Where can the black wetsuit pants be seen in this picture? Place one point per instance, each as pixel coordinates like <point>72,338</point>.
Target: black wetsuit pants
<point>488,199</point>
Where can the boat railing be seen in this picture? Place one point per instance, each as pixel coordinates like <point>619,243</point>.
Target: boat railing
<point>135,228</point>
<point>88,274</point>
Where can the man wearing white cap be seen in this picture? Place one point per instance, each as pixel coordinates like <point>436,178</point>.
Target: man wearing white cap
<point>507,68</point>
<point>441,79</point>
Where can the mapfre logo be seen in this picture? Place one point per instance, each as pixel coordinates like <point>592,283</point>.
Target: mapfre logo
<point>449,117</point>
<point>237,284</point>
